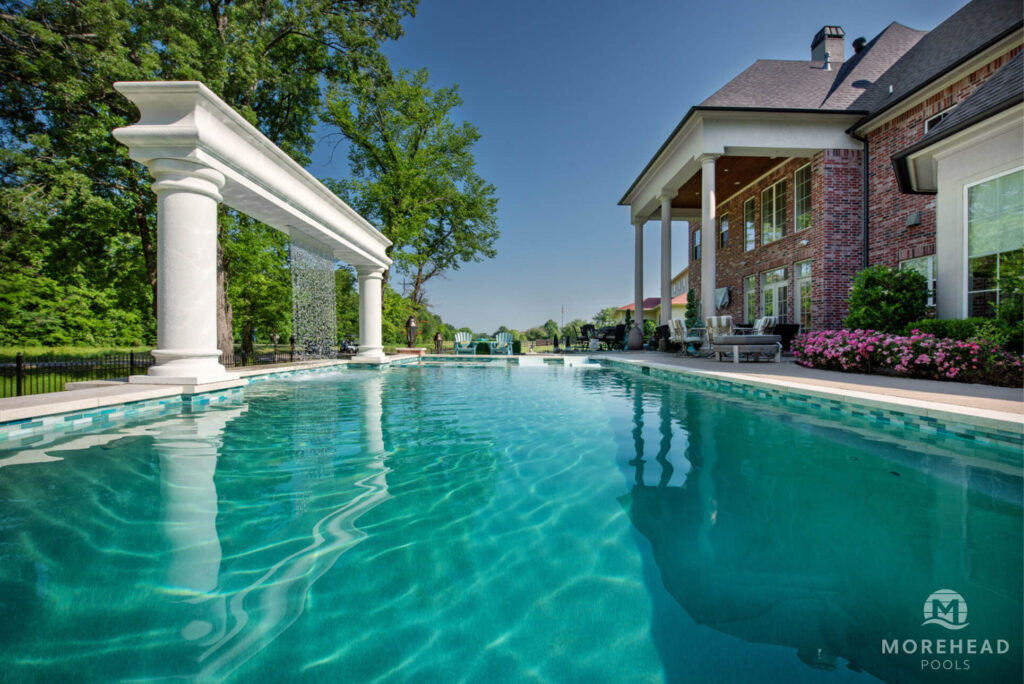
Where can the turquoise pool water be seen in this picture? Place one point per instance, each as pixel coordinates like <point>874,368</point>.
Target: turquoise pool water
<point>542,524</point>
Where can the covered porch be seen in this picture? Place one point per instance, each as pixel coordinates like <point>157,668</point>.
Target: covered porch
<point>714,154</point>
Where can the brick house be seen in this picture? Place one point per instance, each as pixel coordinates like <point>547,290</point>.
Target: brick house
<point>797,174</point>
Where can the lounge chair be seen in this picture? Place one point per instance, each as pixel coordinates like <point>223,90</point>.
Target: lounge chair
<point>464,343</point>
<point>502,344</point>
<point>752,346</point>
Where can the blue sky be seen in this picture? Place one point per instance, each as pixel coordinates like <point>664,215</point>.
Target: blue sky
<point>572,98</point>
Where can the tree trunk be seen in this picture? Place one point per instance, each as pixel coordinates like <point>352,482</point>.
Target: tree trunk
<point>146,239</point>
<point>225,338</point>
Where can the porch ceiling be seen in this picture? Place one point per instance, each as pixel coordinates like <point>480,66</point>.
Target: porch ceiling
<point>731,175</point>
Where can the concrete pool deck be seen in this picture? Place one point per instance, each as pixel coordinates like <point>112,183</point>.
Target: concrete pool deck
<point>957,396</point>
<point>981,404</point>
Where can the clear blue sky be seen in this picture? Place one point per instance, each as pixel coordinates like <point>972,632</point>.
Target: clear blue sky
<point>572,98</point>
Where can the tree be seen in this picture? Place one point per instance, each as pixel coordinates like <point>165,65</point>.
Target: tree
<point>606,317</point>
<point>414,174</point>
<point>270,61</point>
<point>551,328</point>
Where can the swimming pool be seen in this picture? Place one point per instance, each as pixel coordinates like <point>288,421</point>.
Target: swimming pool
<point>541,523</point>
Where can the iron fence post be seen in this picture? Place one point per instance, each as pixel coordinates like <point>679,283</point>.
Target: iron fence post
<point>19,372</point>
<point>131,363</point>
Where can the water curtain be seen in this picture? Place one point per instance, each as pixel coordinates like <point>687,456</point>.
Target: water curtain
<point>314,313</point>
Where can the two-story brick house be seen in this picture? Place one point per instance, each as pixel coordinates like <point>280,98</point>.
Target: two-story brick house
<point>797,174</point>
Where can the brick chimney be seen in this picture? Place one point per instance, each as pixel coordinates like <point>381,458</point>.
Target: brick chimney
<point>829,39</point>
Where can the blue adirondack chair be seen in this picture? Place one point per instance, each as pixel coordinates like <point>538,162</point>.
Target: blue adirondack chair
<point>464,343</point>
<point>503,343</point>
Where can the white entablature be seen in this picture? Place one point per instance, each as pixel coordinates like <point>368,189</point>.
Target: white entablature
<point>201,152</point>
<point>185,120</point>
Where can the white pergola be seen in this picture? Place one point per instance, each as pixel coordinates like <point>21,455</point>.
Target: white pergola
<point>201,152</point>
<point>680,182</point>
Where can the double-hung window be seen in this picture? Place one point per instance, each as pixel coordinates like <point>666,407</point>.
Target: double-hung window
<point>723,230</point>
<point>749,237</point>
<point>995,239</point>
<point>802,196</point>
<point>773,212</point>
<point>696,244</point>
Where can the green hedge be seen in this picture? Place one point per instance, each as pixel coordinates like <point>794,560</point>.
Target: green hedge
<point>1010,338</point>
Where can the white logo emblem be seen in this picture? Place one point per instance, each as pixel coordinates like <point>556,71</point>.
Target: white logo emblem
<point>945,608</point>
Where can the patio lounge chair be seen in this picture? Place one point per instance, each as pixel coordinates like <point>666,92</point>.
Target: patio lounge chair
<point>503,344</point>
<point>464,343</point>
<point>752,346</point>
<point>587,332</point>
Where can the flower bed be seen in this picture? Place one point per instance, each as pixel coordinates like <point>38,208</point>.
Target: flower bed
<point>917,355</point>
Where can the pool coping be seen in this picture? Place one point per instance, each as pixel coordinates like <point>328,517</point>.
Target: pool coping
<point>33,414</point>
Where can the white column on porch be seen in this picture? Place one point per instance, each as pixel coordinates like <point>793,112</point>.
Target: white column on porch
<point>187,198</point>
<point>666,258</point>
<point>707,228</point>
<point>371,348</point>
<point>636,341</point>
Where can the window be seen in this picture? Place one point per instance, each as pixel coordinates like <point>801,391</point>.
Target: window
<point>775,294</point>
<point>995,238</point>
<point>926,267</point>
<point>803,295</point>
<point>750,299</point>
<point>749,240</point>
<point>802,193</point>
<point>723,230</point>
<point>773,212</point>
<point>696,244</point>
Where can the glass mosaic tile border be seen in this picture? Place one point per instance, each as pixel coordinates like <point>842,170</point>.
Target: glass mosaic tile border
<point>875,417</point>
<point>26,431</point>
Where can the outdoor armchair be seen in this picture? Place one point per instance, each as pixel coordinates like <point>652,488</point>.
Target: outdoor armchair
<point>502,344</point>
<point>464,343</point>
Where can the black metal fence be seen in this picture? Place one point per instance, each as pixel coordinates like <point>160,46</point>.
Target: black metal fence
<point>41,374</point>
<point>49,373</point>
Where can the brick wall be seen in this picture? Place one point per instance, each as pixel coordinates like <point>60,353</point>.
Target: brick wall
<point>891,239</point>
<point>833,239</point>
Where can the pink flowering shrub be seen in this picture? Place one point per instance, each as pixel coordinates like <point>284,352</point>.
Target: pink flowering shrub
<point>917,355</point>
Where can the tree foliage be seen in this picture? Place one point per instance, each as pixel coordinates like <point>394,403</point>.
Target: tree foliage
<point>75,209</point>
<point>414,173</point>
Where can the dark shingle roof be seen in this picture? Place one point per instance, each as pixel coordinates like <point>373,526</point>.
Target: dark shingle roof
<point>776,84</point>
<point>794,84</point>
<point>862,70</point>
<point>1003,88</point>
<point>975,26</point>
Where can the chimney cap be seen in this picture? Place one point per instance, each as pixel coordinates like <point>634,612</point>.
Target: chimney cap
<point>828,32</point>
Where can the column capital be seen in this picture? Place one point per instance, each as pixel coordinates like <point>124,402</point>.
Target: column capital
<point>639,222</point>
<point>185,176</point>
<point>373,271</point>
<point>708,158</point>
<point>667,196</point>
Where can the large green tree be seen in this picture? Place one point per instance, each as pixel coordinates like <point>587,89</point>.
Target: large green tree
<point>414,173</point>
<point>75,208</point>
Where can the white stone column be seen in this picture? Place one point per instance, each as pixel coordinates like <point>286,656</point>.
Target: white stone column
<point>371,348</point>
<point>707,231</point>
<point>187,198</point>
<point>636,334</point>
<point>666,258</point>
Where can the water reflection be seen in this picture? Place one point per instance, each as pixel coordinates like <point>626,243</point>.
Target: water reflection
<point>262,610</point>
<point>826,551</point>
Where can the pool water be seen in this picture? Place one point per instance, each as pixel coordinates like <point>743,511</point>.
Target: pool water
<point>544,524</point>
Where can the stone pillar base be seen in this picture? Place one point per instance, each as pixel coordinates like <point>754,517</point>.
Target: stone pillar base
<point>184,367</point>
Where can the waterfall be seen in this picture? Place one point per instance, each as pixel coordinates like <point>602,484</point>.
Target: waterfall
<point>314,313</point>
